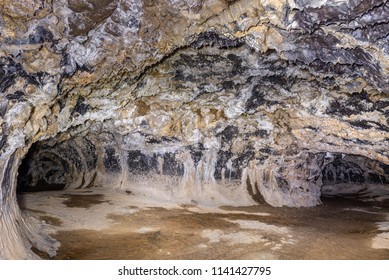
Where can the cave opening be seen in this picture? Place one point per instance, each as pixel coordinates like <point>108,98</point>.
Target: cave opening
<point>355,177</point>
<point>41,171</point>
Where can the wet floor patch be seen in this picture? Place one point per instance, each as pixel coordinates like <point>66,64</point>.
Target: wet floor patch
<point>83,200</point>
<point>51,220</point>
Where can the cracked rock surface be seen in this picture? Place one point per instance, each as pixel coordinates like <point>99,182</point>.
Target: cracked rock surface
<point>217,102</point>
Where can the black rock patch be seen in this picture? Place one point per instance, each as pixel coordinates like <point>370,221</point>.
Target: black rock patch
<point>171,166</point>
<point>90,154</point>
<point>222,159</point>
<point>111,160</point>
<point>213,39</point>
<point>228,134</point>
<point>41,35</point>
<point>17,95</point>
<point>141,164</point>
<point>81,107</point>
<point>72,155</point>
<point>196,152</point>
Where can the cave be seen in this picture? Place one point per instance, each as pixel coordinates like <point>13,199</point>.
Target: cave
<point>194,129</point>
<point>355,177</point>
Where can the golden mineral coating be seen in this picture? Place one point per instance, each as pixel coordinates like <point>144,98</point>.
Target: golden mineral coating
<point>222,102</point>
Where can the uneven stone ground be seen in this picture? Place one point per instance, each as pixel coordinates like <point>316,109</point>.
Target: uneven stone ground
<point>103,224</point>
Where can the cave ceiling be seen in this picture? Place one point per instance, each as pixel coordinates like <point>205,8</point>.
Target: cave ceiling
<point>270,82</point>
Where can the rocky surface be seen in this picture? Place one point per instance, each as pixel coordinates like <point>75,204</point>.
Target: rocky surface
<point>201,101</point>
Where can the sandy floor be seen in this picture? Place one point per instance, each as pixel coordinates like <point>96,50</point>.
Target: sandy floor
<point>115,225</point>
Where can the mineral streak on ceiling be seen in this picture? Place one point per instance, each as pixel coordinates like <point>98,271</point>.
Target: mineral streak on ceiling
<point>222,102</point>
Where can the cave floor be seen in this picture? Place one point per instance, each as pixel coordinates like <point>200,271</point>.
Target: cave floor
<point>102,224</point>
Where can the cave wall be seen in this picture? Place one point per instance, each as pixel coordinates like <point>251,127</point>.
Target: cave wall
<point>237,102</point>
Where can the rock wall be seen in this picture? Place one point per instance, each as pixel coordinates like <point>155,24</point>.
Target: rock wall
<point>209,101</point>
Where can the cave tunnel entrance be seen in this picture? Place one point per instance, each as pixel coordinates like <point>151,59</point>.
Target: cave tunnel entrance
<point>41,171</point>
<point>355,177</point>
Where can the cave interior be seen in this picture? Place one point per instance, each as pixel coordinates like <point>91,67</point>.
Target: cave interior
<point>275,104</point>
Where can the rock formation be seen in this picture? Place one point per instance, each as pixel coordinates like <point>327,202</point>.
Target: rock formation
<point>231,102</point>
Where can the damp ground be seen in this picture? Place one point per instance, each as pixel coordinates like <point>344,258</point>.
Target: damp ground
<point>103,224</point>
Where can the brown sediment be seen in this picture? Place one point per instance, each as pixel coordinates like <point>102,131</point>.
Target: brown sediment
<point>325,232</point>
<point>51,220</point>
<point>83,201</point>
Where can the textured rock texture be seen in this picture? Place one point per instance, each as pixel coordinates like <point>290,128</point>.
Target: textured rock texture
<point>202,101</point>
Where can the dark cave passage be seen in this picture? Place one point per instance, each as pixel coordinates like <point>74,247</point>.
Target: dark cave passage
<point>356,177</point>
<point>56,164</point>
<point>42,172</point>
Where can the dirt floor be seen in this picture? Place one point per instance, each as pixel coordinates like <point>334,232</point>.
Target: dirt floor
<point>114,225</point>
